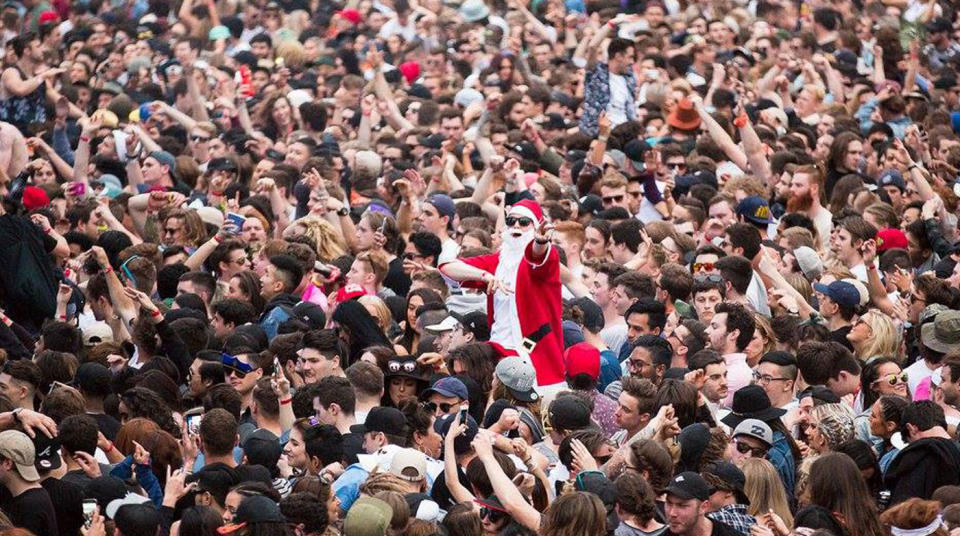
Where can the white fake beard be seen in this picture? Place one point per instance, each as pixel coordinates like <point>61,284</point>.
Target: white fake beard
<point>513,244</point>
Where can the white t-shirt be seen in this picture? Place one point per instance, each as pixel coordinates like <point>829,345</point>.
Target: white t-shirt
<point>620,99</point>
<point>648,211</point>
<point>916,373</point>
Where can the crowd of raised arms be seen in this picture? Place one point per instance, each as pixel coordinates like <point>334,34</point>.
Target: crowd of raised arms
<point>479,268</point>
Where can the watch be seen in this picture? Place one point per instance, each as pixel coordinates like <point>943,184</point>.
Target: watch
<point>344,211</point>
<point>16,415</point>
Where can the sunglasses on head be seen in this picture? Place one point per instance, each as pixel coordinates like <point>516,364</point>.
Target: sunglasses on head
<point>238,367</point>
<point>893,379</point>
<point>523,221</point>
<point>491,514</point>
<point>397,366</point>
<point>702,266</point>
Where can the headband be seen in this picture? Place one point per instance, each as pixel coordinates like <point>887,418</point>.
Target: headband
<point>922,531</point>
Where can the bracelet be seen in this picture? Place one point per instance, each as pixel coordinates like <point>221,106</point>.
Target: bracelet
<point>287,401</point>
<point>216,194</point>
<point>63,318</point>
<point>156,313</point>
<point>871,267</point>
<point>740,122</point>
<point>217,239</point>
<point>603,138</point>
<point>109,447</point>
<point>85,139</point>
<point>47,230</point>
<point>108,270</point>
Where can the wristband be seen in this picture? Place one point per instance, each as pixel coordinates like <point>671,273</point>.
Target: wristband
<point>603,138</point>
<point>63,318</point>
<point>871,267</point>
<point>47,231</point>
<point>6,320</point>
<point>740,122</point>
<point>108,270</point>
<point>85,139</point>
<point>109,448</point>
<point>287,401</point>
<point>216,194</point>
<point>217,239</point>
<point>156,313</point>
<point>612,24</point>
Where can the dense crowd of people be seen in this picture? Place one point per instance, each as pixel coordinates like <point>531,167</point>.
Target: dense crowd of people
<point>479,267</point>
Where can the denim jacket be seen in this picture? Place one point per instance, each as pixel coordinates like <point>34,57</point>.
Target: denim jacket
<point>596,97</point>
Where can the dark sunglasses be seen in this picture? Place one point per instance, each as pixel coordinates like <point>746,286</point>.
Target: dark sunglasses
<point>712,278</point>
<point>238,367</point>
<point>491,514</point>
<point>523,221</point>
<point>194,137</point>
<point>444,407</point>
<point>676,165</point>
<point>744,448</point>
<point>613,198</point>
<point>406,366</point>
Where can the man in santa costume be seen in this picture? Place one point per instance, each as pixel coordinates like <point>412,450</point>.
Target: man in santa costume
<point>523,290</point>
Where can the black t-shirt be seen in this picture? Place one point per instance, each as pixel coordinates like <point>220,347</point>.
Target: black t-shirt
<point>108,425</point>
<point>719,529</point>
<point>441,495</point>
<point>840,335</point>
<point>28,287</point>
<point>33,510</point>
<point>69,500</point>
<point>396,280</point>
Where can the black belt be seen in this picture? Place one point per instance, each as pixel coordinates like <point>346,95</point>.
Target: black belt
<point>530,341</point>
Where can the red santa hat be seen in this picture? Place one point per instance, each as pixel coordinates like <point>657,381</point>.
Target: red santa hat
<point>527,208</point>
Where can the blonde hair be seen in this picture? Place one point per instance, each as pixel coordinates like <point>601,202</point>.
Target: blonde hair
<point>765,490</point>
<point>330,244</point>
<point>750,185</point>
<point>885,339</point>
<point>377,309</point>
<point>292,53</point>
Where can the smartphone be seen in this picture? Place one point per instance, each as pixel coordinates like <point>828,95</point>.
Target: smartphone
<point>193,423</point>
<point>464,409</point>
<point>237,220</point>
<point>383,226</point>
<point>277,369</point>
<point>89,508</point>
<point>78,189</point>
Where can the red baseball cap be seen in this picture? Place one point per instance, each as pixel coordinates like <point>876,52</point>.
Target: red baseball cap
<point>891,239</point>
<point>349,292</point>
<point>582,358</point>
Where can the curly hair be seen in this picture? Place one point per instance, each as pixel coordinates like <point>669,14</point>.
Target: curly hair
<point>142,402</point>
<point>329,241</point>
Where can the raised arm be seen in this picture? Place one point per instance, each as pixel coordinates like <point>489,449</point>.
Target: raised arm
<point>719,135</point>
<point>505,490</point>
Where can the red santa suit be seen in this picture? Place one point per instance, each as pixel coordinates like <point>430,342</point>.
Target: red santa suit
<point>531,315</point>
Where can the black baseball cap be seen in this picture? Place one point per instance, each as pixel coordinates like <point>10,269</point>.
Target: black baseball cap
<point>569,413</point>
<point>461,445</point>
<point>47,449</point>
<point>387,420</point>
<point>689,485</point>
<point>475,322</point>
